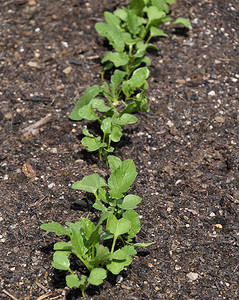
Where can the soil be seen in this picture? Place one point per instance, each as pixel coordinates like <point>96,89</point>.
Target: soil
<point>185,150</point>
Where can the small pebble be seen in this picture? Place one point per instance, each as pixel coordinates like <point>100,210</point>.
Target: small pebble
<point>67,70</point>
<point>192,276</point>
<point>51,185</point>
<point>211,93</point>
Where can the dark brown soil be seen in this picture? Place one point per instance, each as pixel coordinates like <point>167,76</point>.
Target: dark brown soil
<point>185,150</point>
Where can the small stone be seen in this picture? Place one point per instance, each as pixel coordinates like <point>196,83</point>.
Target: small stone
<point>8,115</point>
<point>212,214</point>
<point>213,76</point>
<point>33,64</point>
<point>119,279</point>
<point>54,150</point>
<point>211,93</point>
<point>177,267</point>
<point>32,2</point>
<point>192,276</point>
<point>51,185</point>
<point>219,119</point>
<point>218,226</point>
<point>234,79</point>
<point>180,81</point>
<point>67,70</point>
<point>5,177</point>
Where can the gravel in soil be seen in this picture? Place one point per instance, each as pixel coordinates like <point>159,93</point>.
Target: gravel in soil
<point>185,150</point>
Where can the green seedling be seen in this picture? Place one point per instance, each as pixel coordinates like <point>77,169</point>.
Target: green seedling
<point>87,239</point>
<point>130,30</point>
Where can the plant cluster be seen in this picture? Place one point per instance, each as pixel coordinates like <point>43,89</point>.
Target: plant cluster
<point>129,32</point>
<point>87,239</point>
<point>108,246</point>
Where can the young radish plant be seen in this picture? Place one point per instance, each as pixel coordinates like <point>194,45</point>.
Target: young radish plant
<point>130,30</point>
<point>118,222</point>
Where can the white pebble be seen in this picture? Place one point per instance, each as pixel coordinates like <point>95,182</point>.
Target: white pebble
<point>212,93</point>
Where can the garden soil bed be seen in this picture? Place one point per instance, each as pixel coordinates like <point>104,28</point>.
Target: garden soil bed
<point>185,150</point>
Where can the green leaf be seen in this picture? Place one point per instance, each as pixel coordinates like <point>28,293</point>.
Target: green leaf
<point>154,31</point>
<point>117,227</point>
<point>137,6</point>
<point>118,59</point>
<point>129,249</point>
<point>87,112</point>
<point>143,244</point>
<point>93,144</point>
<point>154,14</point>
<point>89,227</point>
<point>55,227</point>
<point>63,246</point>
<point>185,22</point>
<point>137,80</point>
<point>99,206</point>
<point>79,242</point>
<point>102,255</point>
<point>170,1</point>
<point>120,259</point>
<point>116,79</point>
<point>89,94</point>
<point>132,23</point>
<point>130,202</point>
<point>125,119</point>
<point>113,34</point>
<point>97,276</point>
<point>139,104</point>
<point>116,133</point>
<point>61,261</point>
<point>121,179</point>
<point>112,19</point>
<point>99,104</point>
<point>90,183</point>
<point>133,217</point>
<point>121,13</point>
<point>106,125</point>
<point>72,280</point>
<point>114,162</point>
<point>161,5</point>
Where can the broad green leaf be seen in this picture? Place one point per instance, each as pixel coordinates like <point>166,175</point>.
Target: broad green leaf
<point>117,264</point>
<point>61,261</point>
<point>102,255</point>
<point>89,227</point>
<point>121,179</point>
<point>139,104</point>
<point>154,14</point>
<point>117,227</point>
<point>125,119</point>
<point>89,94</point>
<point>116,133</point>
<point>86,133</point>
<point>93,144</point>
<point>102,194</point>
<point>72,280</point>
<point>55,227</point>
<point>121,13</point>
<point>114,162</point>
<point>99,206</point>
<point>113,34</point>
<point>137,79</point>
<point>132,23</point>
<point>133,217</point>
<point>63,246</point>
<point>154,31</point>
<point>130,202</point>
<point>106,125</point>
<point>161,5</point>
<point>79,242</point>
<point>137,6</point>
<point>97,276</point>
<point>185,22</point>
<point>112,19</point>
<point>129,250</point>
<point>117,58</point>
<point>128,39</point>
<point>116,79</point>
<point>87,112</point>
<point>99,104</point>
<point>89,183</point>
<point>139,61</point>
